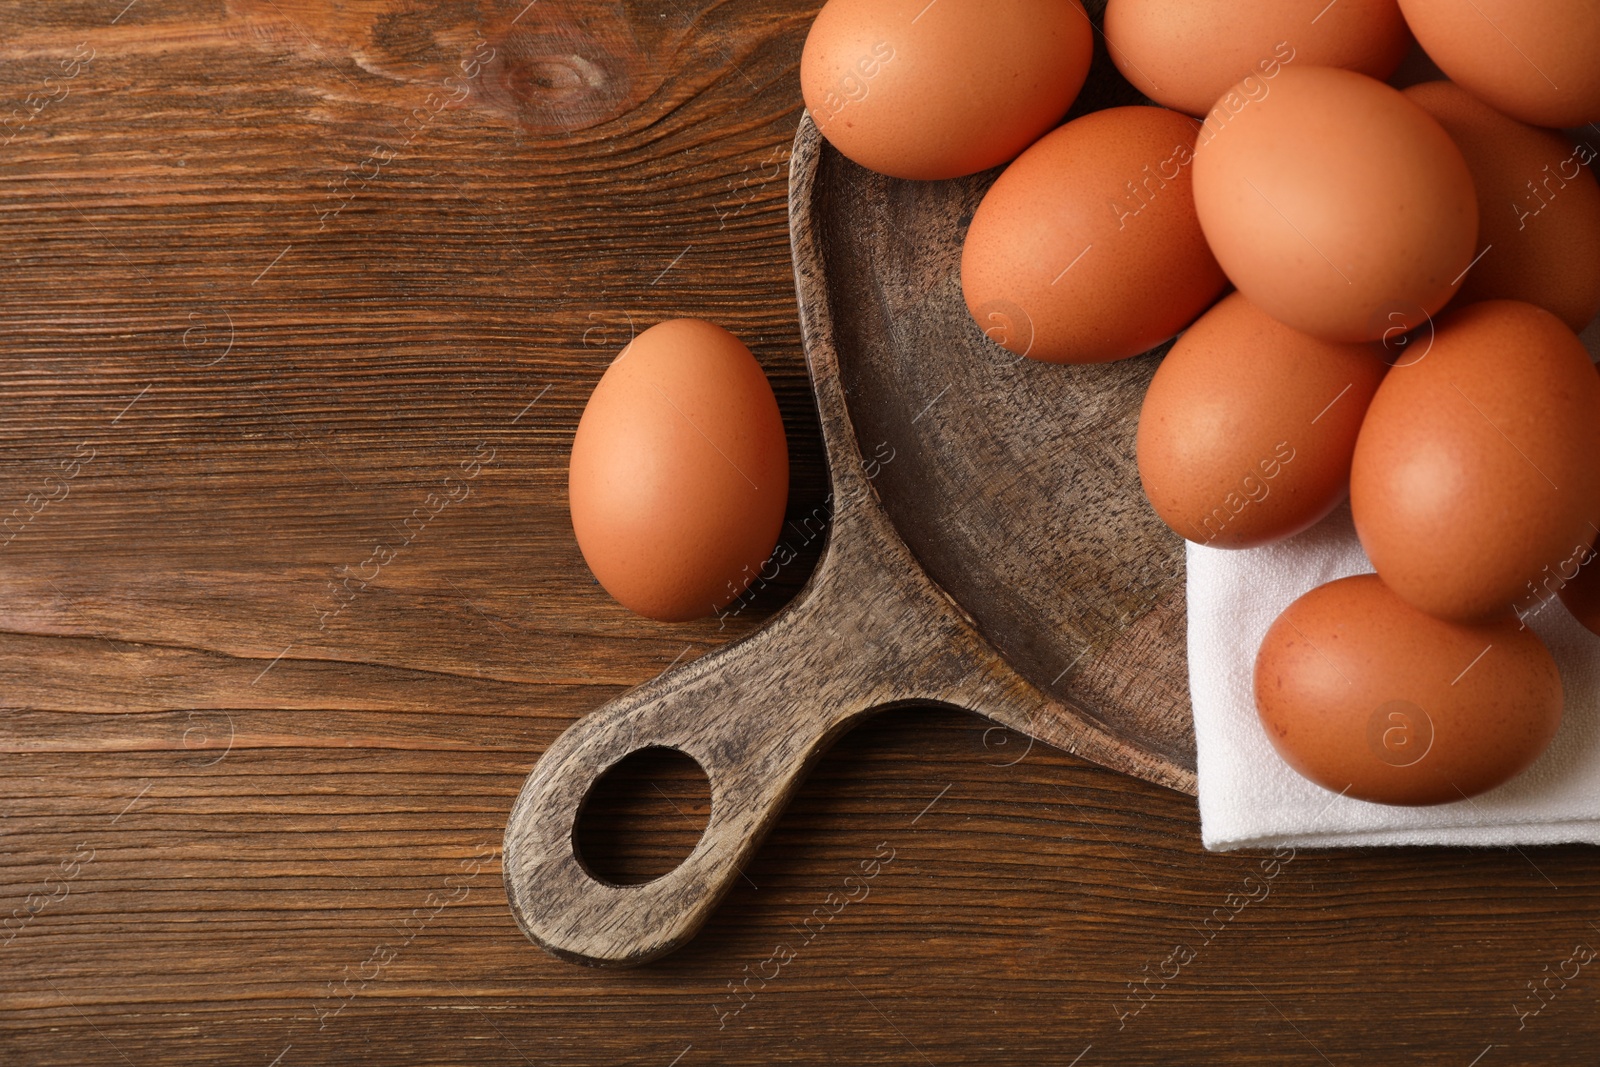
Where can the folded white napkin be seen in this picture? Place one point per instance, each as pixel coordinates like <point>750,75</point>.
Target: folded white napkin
<point>1249,798</point>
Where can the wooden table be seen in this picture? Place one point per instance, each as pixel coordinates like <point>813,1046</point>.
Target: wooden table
<point>302,302</point>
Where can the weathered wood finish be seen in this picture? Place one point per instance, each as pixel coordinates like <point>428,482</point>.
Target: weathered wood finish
<point>870,630</point>
<point>1012,481</point>
<point>270,807</point>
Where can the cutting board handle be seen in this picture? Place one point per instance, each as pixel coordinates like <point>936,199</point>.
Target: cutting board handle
<point>869,631</point>
<point>753,715</point>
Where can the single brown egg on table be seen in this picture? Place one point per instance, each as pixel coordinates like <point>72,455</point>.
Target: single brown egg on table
<point>1475,473</point>
<point>1338,206</point>
<point>1186,53</point>
<point>1248,427</point>
<point>1087,248</point>
<point>1369,697</point>
<point>1538,207</point>
<point>679,474</point>
<point>1535,60</point>
<point>924,90</point>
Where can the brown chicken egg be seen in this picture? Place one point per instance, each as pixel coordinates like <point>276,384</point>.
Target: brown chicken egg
<point>1535,60</point>
<point>1369,697</point>
<point>1475,472</point>
<point>1538,207</point>
<point>1334,203</point>
<point>680,472</point>
<point>1248,427</point>
<point>915,89</point>
<point>1087,249</point>
<point>1186,53</point>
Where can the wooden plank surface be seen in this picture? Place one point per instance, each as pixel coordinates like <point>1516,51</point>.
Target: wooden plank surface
<point>271,682</point>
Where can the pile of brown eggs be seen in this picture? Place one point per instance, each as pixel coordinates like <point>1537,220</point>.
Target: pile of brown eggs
<point>1408,270</point>
<point>1378,291</point>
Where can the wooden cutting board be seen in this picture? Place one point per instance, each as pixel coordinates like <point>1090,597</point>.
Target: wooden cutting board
<point>990,548</point>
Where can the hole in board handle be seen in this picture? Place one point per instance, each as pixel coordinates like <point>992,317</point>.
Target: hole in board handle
<point>642,817</point>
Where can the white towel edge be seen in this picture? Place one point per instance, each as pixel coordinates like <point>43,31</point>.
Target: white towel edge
<point>1512,835</point>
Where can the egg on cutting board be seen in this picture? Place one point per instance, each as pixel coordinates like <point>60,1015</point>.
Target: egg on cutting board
<point>1186,53</point>
<point>926,90</point>
<point>1538,207</point>
<point>679,474</point>
<point>1087,248</point>
<point>1535,60</point>
<point>1248,427</point>
<point>1334,203</point>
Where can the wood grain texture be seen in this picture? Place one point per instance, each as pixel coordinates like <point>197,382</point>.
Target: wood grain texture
<point>870,630</point>
<point>1013,482</point>
<point>231,836</point>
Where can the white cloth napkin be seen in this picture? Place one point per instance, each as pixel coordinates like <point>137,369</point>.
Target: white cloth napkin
<point>1249,798</point>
